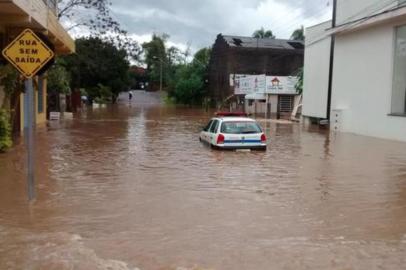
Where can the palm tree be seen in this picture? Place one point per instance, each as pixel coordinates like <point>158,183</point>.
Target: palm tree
<point>261,33</point>
<point>298,34</point>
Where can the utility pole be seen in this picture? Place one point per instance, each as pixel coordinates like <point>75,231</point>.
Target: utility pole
<point>331,70</point>
<point>160,79</point>
<point>160,72</point>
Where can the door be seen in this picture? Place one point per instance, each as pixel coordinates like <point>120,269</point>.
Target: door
<point>285,105</point>
<point>213,132</point>
<point>205,132</point>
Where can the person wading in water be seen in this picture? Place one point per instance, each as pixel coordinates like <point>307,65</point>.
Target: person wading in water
<point>130,96</point>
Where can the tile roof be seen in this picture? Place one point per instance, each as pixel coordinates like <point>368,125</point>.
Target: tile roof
<point>250,42</point>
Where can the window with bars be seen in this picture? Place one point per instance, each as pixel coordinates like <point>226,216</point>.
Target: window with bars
<point>286,103</point>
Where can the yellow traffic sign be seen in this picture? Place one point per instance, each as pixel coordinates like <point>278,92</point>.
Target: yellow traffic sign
<point>28,53</point>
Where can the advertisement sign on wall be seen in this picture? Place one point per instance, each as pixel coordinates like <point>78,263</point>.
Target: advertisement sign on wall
<point>281,84</point>
<point>248,84</point>
<point>261,84</point>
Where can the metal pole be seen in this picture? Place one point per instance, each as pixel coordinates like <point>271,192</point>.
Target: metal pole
<point>160,83</point>
<point>266,106</point>
<point>29,112</point>
<point>331,67</point>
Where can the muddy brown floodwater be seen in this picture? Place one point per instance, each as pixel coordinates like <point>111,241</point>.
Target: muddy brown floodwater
<point>131,187</point>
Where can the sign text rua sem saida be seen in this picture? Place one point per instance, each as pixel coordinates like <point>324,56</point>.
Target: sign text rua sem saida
<point>28,53</point>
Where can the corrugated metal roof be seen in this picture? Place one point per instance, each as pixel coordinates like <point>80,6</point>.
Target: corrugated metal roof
<point>250,42</point>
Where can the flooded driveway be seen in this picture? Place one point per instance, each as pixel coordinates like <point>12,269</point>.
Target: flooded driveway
<point>130,186</point>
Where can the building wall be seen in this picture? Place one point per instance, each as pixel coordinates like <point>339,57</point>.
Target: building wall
<point>262,61</point>
<point>227,60</point>
<point>1,47</point>
<point>362,83</point>
<point>273,99</point>
<point>219,83</point>
<point>350,10</point>
<point>40,117</point>
<point>316,71</point>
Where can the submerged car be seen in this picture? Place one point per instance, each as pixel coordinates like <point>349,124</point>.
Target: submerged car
<point>234,131</point>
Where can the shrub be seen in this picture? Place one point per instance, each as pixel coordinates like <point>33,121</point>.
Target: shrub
<point>5,131</point>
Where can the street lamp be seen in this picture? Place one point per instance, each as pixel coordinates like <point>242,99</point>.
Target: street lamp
<point>160,76</point>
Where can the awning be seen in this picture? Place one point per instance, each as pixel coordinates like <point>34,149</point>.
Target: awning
<point>256,96</point>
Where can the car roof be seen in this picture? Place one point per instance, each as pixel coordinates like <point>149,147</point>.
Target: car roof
<point>234,119</point>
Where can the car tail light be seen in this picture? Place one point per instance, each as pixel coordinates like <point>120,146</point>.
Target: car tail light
<point>263,138</point>
<point>220,139</point>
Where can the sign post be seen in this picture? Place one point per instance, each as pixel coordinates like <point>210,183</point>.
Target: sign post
<point>29,123</point>
<point>29,54</point>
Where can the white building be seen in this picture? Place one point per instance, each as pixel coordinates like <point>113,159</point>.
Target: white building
<point>368,82</point>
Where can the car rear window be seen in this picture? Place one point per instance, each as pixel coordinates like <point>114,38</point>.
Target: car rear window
<point>240,127</point>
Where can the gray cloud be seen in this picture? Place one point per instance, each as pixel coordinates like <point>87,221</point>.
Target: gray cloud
<point>198,22</point>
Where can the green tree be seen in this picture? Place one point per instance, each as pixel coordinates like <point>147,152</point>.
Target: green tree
<point>203,57</point>
<point>299,84</point>
<point>59,77</point>
<point>95,17</point>
<point>261,33</point>
<point>155,55</point>
<point>12,84</point>
<point>298,34</point>
<point>189,83</point>
<point>98,62</point>
<point>5,130</point>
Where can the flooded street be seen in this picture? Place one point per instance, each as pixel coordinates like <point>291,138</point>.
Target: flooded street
<point>131,187</point>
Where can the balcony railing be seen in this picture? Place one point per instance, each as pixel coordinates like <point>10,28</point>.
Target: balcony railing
<point>52,5</point>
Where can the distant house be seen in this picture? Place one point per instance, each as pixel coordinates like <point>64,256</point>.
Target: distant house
<point>138,77</point>
<point>365,92</point>
<point>251,56</point>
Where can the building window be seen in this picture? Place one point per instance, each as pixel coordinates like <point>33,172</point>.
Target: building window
<point>399,72</point>
<point>286,103</point>
<point>40,94</point>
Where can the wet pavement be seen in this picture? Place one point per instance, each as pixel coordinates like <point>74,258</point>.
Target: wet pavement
<point>130,186</point>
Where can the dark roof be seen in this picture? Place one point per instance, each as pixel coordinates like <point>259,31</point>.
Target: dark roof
<point>265,43</point>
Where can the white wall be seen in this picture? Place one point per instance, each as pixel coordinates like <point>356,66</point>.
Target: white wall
<point>273,99</point>
<point>362,83</point>
<point>350,10</point>
<point>316,71</point>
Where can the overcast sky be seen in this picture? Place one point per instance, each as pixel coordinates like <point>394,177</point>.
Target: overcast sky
<point>198,22</point>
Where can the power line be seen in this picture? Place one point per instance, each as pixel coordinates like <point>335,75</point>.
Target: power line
<point>352,24</point>
<point>297,19</point>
